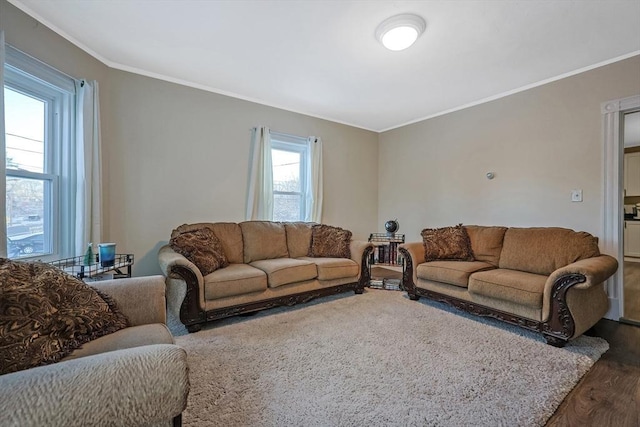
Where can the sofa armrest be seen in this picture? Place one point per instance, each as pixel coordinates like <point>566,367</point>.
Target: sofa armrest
<point>574,298</point>
<point>595,270</point>
<point>168,258</point>
<point>360,251</point>
<point>185,287</point>
<point>138,386</point>
<point>141,299</point>
<point>358,248</point>
<point>413,253</point>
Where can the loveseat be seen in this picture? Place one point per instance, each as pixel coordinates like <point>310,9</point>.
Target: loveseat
<point>134,376</point>
<point>545,279</point>
<point>255,265</point>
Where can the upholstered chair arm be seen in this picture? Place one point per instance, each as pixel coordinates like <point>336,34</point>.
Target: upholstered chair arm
<point>139,386</point>
<point>141,299</point>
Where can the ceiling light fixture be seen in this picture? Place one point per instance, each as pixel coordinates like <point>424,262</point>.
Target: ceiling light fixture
<point>400,31</point>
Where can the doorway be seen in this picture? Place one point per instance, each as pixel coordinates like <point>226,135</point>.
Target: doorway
<point>631,236</point>
<point>613,198</point>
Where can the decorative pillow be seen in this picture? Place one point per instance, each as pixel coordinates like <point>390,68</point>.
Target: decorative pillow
<point>447,243</point>
<point>45,314</point>
<point>330,242</point>
<point>201,247</point>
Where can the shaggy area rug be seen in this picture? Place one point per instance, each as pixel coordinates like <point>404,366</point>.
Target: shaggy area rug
<point>377,359</point>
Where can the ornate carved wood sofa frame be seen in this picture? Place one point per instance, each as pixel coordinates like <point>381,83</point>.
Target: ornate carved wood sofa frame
<point>269,267</point>
<point>549,280</point>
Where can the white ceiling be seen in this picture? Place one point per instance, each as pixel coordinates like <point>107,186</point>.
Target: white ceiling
<point>321,58</point>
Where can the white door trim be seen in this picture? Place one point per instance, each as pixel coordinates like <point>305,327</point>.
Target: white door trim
<point>612,212</point>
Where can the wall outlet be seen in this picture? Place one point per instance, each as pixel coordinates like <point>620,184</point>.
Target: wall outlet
<point>576,195</point>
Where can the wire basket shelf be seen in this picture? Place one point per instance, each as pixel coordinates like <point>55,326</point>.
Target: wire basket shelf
<point>75,266</point>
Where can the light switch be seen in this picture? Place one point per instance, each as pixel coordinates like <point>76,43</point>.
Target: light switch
<point>576,195</point>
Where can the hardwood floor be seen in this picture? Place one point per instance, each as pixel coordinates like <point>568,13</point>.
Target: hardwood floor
<point>632,291</point>
<point>609,394</point>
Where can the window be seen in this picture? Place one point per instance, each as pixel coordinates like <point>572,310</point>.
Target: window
<point>285,177</point>
<point>289,160</point>
<point>38,107</point>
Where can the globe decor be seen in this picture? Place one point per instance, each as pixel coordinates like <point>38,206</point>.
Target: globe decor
<point>391,226</point>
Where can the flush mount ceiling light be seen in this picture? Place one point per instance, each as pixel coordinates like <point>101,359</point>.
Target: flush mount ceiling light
<point>400,31</point>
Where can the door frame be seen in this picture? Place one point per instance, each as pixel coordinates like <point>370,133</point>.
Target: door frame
<point>613,198</point>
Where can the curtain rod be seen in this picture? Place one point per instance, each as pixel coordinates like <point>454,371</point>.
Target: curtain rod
<point>284,134</point>
<point>41,62</point>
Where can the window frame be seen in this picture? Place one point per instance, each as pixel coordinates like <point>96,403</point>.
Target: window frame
<point>31,77</point>
<point>298,145</point>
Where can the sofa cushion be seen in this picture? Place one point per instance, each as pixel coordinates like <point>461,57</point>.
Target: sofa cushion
<point>298,238</point>
<point>330,242</point>
<point>335,268</point>
<point>135,336</point>
<point>230,236</point>
<point>236,279</point>
<point>486,242</point>
<point>282,271</point>
<point>542,250</point>
<point>446,243</point>
<point>263,240</point>
<point>46,314</point>
<point>509,285</point>
<point>201,247</point>
<point>451,272</point>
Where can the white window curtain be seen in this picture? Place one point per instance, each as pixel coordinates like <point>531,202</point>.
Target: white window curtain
<point>313,191</point>
<point>88,178</point>
<point>260,194</point>
<point>3,177</point>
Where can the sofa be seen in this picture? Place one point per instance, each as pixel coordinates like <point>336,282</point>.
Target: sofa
<point>545,279</point>
<point>134,376</point>
<point>256,265</point>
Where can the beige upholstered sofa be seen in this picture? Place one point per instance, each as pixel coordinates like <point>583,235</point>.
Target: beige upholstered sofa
<point>549,280</point>
<point>268,266</point>
<point>135,376</point>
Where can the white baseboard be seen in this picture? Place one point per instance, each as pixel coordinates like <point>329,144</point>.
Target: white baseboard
<point>629,321</point>
<point>614,310</point>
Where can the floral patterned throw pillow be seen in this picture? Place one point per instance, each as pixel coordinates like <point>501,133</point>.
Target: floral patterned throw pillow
<point>330,242</point>
<point>447,243</point>
<point>202,247</point>
<point>46,313</point>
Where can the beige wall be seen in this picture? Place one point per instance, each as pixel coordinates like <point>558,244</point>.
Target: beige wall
<point>540,143</point>
<point>30,36</point>
<point>173,154</point>
<point>180,155</point>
